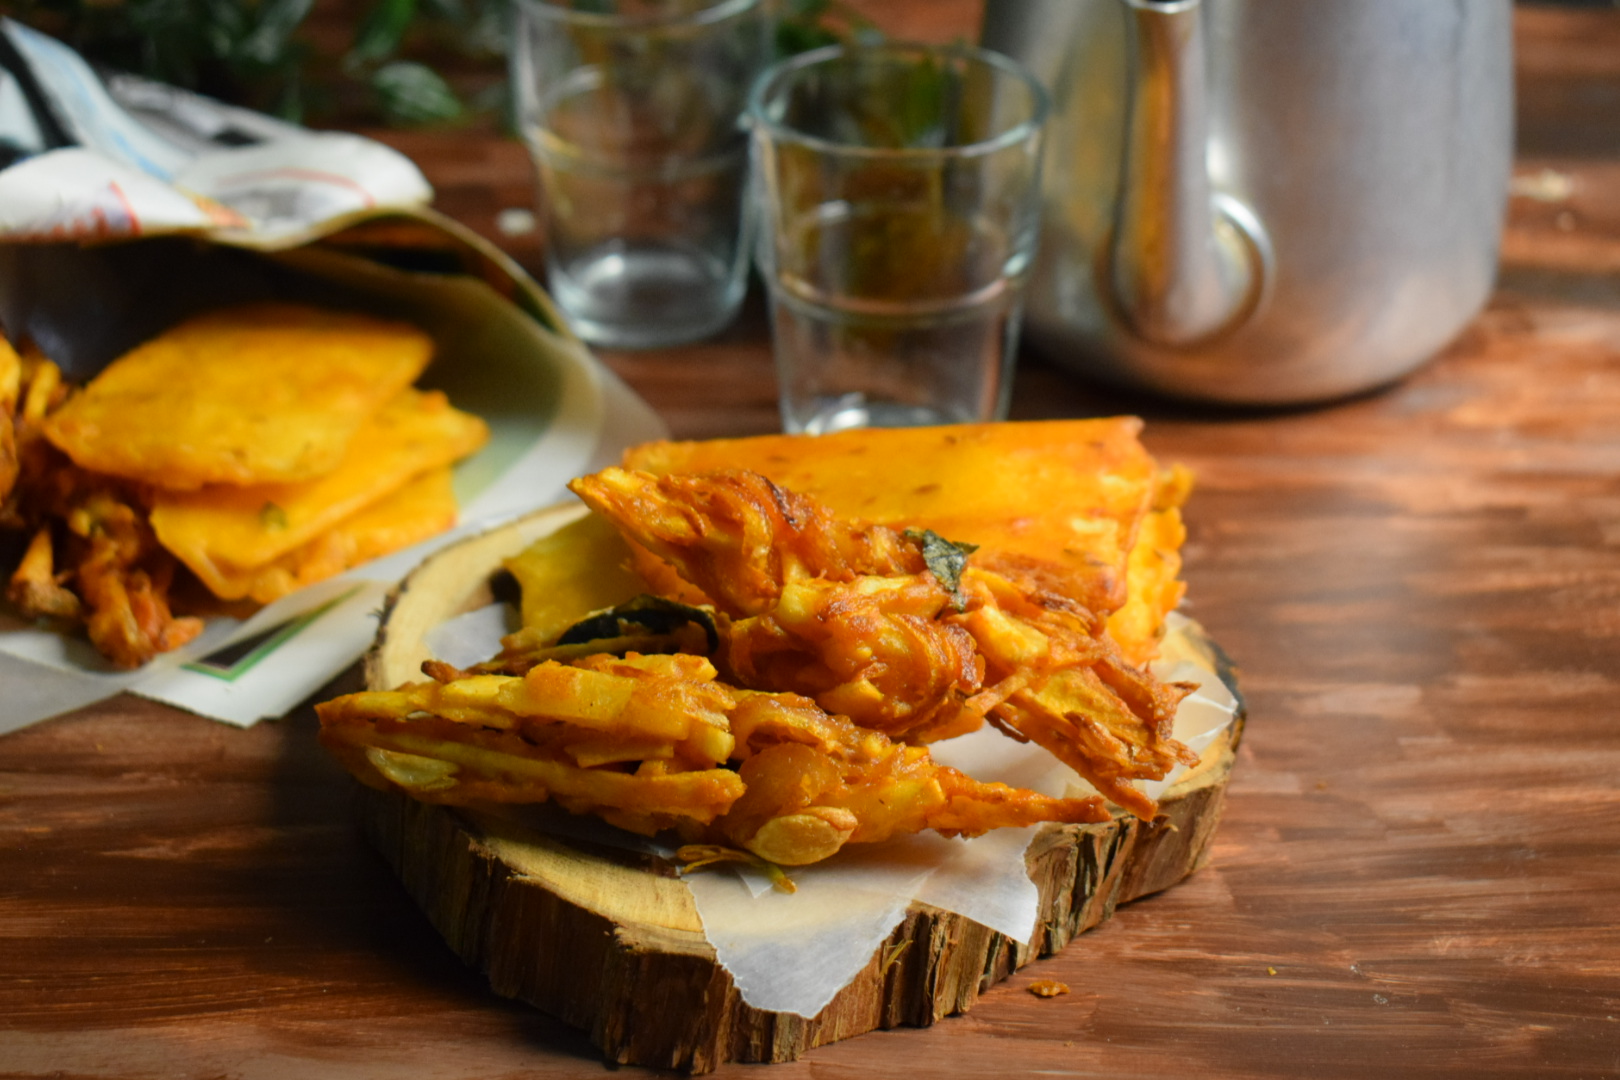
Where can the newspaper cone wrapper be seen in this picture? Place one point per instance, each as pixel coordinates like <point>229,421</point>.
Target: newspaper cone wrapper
<point>554,414</point>
<point>123,157</point>
<point>793,952</point>
<point>119,158</point>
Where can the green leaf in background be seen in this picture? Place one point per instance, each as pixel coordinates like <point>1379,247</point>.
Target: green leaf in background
<point>259,54</point>
<point>922,104</point>
<point>224,26</point>
<point>412,93</point>
<point>269,41</point>
<point>485,32</point>
<point>382,31</point>
<point>803,25</point>
<point>794,38</point>
<point>453,11</point>
<point>288,100</point>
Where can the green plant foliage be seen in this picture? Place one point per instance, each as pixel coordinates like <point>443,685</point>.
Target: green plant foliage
<point>239,50</point>
<point>410,93</point>
<point>382,32</point>
<point>803,25</point>
<point>250,52</point>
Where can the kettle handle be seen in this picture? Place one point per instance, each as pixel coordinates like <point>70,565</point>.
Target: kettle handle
<point>1185,263</point>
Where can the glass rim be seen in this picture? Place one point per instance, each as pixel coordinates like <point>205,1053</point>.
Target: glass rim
<point>714,13</point>
<point>779,73</point>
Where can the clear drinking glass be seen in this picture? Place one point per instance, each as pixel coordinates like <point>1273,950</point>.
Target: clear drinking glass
<point>633,112</point>
<point>899,186</point>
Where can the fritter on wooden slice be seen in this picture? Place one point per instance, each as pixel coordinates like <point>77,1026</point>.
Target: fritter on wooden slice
<point>643,742</point>
<point>835,615</point>
<point>1072,506</point>
<point>847,614</point>
<point>738,539</point>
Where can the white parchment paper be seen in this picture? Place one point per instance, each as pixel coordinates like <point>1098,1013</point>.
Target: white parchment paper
<point>793,952</point>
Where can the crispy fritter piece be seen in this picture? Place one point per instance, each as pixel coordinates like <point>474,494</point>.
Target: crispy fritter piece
<point>875,649</point>
<point>1153,570</point>
<point>1106,531</point>
<point>123,576</point>
<point>614,738</point>
<point>738,537</point>
<point>817,781</point>
<point>256,394</point>
<point>642,742</point>
<point>1054,678</point>
<point>10,391</point>
<point>1092,478</point>
<point>40,391</point>
<point>36,588</point>
<point>847,614</point>
<point>119,573</point>
<point>424,507</point>
<point>92,556</point>
<point>442,761</point>
<point>225,534</point>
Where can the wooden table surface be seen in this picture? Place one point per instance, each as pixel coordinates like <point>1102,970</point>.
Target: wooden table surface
<point>1419,868</point>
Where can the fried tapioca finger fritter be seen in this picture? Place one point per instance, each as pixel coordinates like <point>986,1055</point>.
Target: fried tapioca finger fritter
<point>816,782</point>
<point>643,741</point>
<point>442,761</point>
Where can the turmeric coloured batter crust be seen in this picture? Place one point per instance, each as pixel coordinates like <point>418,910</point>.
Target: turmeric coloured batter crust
<point>815,653</point>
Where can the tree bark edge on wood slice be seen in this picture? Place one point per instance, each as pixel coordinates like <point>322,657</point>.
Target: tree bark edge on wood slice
<point>611,944</point>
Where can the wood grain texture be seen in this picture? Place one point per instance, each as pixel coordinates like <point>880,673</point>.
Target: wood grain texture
<point>1421,840</point>
<point>611,942</point>
<point>614,947</point>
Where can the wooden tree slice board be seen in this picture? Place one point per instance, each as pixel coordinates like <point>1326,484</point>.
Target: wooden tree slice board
<point>610,942</point>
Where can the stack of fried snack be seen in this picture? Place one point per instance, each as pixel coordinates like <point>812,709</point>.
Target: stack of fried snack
<point>775,687</point>
<point>260,448</point>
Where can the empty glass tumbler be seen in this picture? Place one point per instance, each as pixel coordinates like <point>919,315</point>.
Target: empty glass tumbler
<point>633,112</point>
<point>899,193</point>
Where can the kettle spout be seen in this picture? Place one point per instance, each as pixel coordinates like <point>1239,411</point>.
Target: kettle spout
<point>1186,263</point>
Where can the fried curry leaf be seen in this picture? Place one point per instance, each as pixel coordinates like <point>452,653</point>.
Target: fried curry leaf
<point>945,559</point>
<point>645,614</point>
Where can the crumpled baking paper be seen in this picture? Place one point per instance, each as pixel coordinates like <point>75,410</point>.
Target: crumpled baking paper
<point>793,952</point>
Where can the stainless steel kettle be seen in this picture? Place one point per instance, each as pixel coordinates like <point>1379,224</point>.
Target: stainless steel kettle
<point>1264,201</point>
